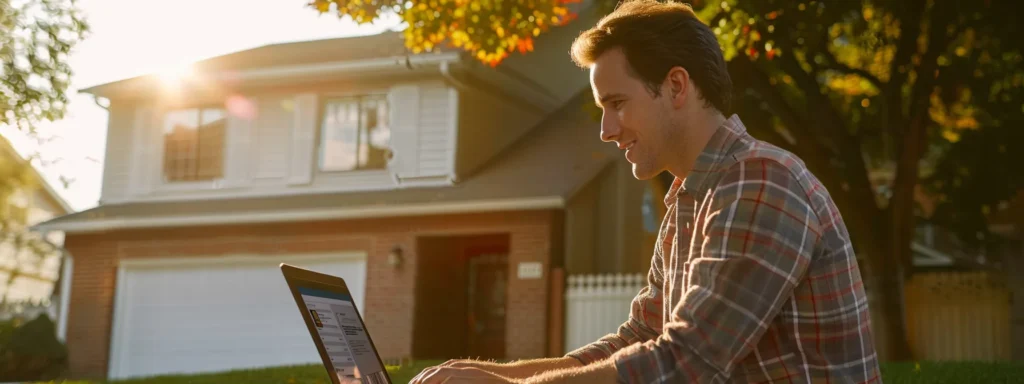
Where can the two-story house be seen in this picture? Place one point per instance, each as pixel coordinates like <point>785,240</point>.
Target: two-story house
<point>30,264</point>
<point>442,189</point>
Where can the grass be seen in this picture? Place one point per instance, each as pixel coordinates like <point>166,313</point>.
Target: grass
<point>303,374</point>
<point>892,373</point>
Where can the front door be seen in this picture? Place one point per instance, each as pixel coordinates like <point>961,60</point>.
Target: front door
<point>487,284</point>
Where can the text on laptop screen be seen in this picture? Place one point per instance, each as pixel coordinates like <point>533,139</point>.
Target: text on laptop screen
<point>343,336</point>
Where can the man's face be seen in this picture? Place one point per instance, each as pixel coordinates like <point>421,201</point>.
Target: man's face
<point>633,118</point>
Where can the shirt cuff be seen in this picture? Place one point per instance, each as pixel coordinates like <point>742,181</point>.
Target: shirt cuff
<point>588,354</point>
<point>637,362</point>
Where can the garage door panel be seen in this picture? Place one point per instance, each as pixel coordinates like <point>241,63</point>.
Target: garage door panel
<point>216,317</point>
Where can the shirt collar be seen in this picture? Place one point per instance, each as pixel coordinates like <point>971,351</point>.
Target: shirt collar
<point>714,151</point>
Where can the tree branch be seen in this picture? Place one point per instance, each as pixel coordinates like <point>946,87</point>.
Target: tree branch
<point>835,65</point>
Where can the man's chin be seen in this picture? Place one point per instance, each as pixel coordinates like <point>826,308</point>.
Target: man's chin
<point>642,173</point>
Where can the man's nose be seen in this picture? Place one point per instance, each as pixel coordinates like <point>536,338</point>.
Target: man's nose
<point>609,128</point>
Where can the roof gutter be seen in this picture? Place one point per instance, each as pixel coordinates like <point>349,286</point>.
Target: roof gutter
<point>242,218</point>
<point>395,64</point>
<point>408,62</point>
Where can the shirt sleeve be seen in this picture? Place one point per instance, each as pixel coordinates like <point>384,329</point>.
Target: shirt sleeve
<point>758,235</point>
<point>645,314</point>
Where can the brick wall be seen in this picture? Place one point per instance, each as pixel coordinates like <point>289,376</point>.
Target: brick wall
<point>389,292</point>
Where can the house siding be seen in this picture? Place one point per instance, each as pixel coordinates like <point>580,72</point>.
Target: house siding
<point>534,236</point>
<point>117,161</point>
<point>272,145</point>
<point>488,125</point>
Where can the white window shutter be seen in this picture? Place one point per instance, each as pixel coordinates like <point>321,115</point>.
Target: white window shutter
<point>404,110</point>
<point>303,140</point>
<point>237,154</point>
<point>145,143</point>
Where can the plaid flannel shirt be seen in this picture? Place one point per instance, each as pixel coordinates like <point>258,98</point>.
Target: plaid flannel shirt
<point>755,279</point>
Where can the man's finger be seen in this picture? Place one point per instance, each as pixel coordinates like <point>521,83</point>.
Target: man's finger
<point>423,374</point>
<point>436,375</point>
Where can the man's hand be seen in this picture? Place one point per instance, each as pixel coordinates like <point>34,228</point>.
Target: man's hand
<point>513,371</point>
<point>559,370</point>
<point>460,372</point>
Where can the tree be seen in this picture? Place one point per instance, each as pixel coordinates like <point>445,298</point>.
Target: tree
<point>36,37</point>
<point>870,93</point>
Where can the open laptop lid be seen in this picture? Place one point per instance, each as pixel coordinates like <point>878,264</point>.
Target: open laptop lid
<point>337,328</point>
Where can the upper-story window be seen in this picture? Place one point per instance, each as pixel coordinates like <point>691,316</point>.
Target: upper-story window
<point>354,134</point>
<point>194,144</point>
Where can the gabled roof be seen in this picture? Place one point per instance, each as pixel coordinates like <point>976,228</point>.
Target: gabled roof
<point>7,150</point>
<point>371,49</point>
<point>540,171</point>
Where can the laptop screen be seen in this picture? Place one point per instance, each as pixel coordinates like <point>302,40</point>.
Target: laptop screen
<point>338,327</point>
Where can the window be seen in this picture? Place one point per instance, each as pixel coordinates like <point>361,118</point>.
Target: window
<point>355,134</point>
<point>194,144</point>
<point>648,211</point>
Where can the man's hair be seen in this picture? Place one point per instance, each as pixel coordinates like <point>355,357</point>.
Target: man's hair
<point>655,37</point>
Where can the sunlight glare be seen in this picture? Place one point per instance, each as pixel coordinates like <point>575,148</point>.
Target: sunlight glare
<point>172,76</point>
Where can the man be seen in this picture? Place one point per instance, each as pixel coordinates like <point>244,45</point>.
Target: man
<point>754,278</point>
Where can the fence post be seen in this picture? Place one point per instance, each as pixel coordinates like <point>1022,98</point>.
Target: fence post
<point>556,313</point>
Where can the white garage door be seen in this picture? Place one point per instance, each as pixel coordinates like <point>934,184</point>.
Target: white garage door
<point>208,315</point>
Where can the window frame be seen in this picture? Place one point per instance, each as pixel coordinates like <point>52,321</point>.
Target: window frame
<point>163,181</point>
<point>324,99</point>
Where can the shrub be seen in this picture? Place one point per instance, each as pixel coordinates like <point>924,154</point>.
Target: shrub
<point>30,350</point>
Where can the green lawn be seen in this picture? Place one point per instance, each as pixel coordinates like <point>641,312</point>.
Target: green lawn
<point>893,373</point>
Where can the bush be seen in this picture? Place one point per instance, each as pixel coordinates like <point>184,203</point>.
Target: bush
<point>953,372</point>
<point>30,350</point>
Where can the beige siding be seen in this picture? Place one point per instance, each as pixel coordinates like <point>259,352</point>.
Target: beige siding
<point>275,152</point>
<point>604,229</point>
<point>487,125</point>
<point>117,161</point>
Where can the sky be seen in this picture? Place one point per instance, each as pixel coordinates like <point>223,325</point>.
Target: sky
<point>129,38</point>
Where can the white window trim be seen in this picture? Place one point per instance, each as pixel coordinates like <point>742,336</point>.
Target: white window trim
<point>323,98</point>
<point>160,182</point>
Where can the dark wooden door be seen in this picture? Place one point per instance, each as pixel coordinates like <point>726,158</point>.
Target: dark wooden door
<point>487,285</point>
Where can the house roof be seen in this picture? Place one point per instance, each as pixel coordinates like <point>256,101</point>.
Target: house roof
<point>287,54</point>
<point>540,171</point>
<point>58,202</point>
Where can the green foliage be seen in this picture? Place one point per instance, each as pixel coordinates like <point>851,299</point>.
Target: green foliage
<point>304,374</point>
<point>36,37</point>
<point>953,372</point>
<point>490,29</point>
<point>30,350</point>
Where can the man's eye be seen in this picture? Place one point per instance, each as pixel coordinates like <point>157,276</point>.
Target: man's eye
<point>617,104</point>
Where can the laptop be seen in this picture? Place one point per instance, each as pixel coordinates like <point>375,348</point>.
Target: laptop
<point>337,328</point>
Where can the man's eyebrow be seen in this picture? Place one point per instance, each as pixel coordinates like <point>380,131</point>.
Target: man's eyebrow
<point>608,96</point>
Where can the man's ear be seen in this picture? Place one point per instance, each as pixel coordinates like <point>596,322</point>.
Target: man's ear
<point>677,82</point>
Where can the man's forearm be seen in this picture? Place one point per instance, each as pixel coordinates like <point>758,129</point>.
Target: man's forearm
<point>528,368</point>
<point>602,372</point>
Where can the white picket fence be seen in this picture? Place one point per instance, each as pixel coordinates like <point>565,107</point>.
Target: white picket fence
<point>596,305</point>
